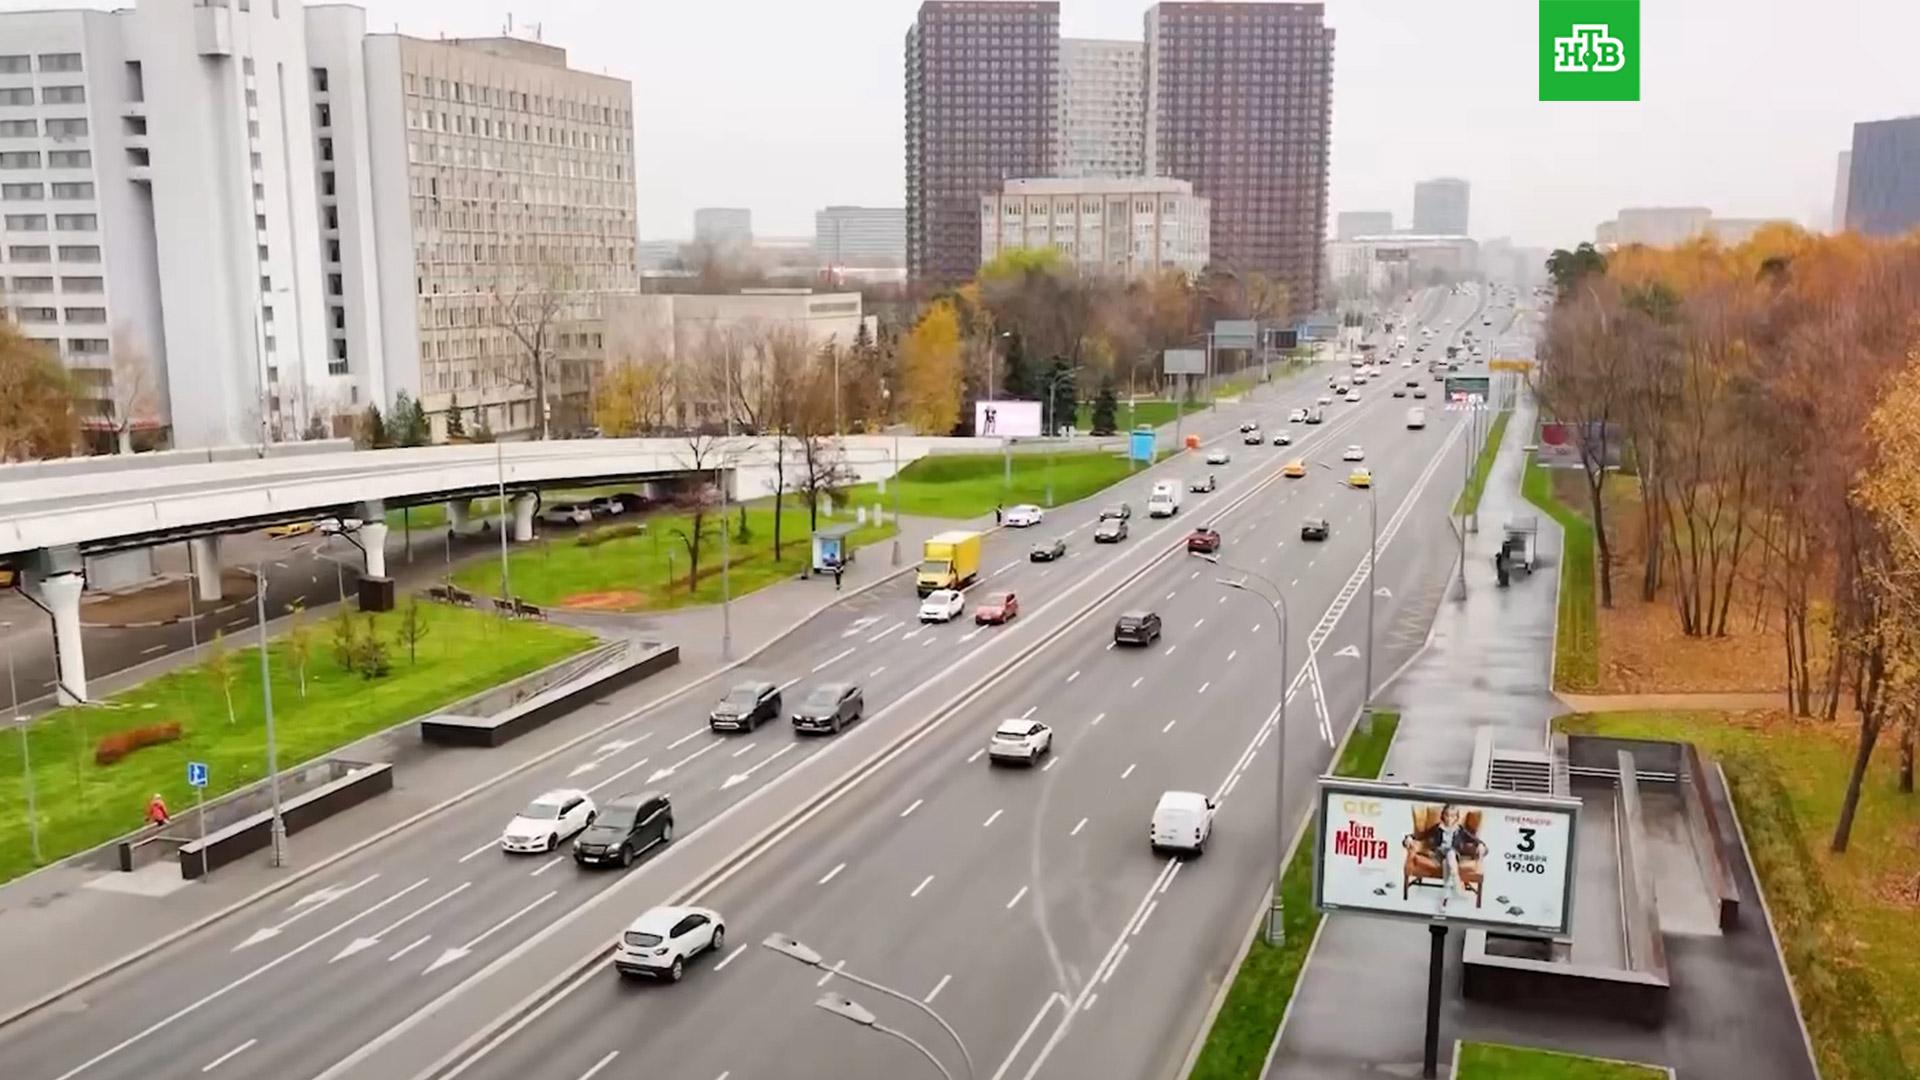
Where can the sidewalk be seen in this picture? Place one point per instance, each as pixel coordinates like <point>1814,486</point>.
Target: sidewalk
<point>1716,702</point>
<point>1359,1009</point>
<point>69,920</point>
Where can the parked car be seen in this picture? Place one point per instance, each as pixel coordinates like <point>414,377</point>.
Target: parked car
<point>340,526</point>
<point>1123,511</point>
<point>1315,529</point>
<point>660,942</point>
<point>1204,540</point>
<point>1202,483</point>
<point>942,605</point>
<point>1048,550</point>
<point>1025,741</point>
<point>547,820</point>
<point>1110,531</point>
<point>626,827</point>
<point>1023,516</point>
<point>997,608</point>
<point>566,513</point>
<point>830,707</point>
<point>1136,628</point>
<point>746,706</point>
<point>292,529</point>
<point>607,505</point>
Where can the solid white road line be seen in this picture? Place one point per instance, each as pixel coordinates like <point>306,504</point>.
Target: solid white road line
<point>155,649</point>
<point>730,957</point>
<point>224,1058</point>
<point>405,949</point>
<point>937,987</point>
<point>1143,919</point>
<point>833,873</point>
<point>1017,897</point>
<point>1128,772</point>
<point>604,1062</point>
<point>1163,885</point>
<point>834,659</point>
<point>924,882</point>
<point>1076,829</point>
<point>1055,998</point>
<point>1230,785</point>
<point>993,817</point>
<point>911,809</point>
<point>1115,966</point>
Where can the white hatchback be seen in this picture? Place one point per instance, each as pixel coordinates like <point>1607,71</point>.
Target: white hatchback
<point>1354,453</point>
<point>942,605</point>
<point>547,820</point>
<point>1024,515</point>
<point>661,942</point>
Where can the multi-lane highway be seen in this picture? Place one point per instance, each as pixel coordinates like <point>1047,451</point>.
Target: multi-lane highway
<point>1024,905</point>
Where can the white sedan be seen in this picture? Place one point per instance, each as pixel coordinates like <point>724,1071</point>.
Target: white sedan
<point>1023,516</point>
<point>942,605</point>
<point>1025,741</point>
<point>1218,456</point>
<point>1325,399</point>
<point>661,942</point>
<point>340,526</point>
<point>1297,416</point>
<point>547,820</point>
<point>1354,453</point>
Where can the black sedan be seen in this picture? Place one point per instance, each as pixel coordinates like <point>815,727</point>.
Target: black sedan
<point>829,707</point>
<point>1048,550</point>
<point>1123,511</point>
<point>1315,529</point>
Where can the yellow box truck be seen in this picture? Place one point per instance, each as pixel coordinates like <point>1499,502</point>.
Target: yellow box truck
<point>951,561</point>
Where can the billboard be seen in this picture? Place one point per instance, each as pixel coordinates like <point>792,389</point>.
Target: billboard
<point>1467,384</point>
<point>1497,861</point>
<point>1235,333</point>
<point>1185,362</point>
<point>1559,444</point>
<point>1006,418</point>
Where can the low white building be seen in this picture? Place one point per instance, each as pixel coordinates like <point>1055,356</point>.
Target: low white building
<point>1400,260</point>
<point>1120,226</point>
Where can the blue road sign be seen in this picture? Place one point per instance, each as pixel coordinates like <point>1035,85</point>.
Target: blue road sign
<point>197,773</point>
<point>1140,445</point>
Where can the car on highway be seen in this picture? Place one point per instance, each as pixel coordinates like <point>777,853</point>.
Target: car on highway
<point>1353,395</point>
<point>626,827</point>
<point>1315,417</point>
<point>1323,399</point>
<point>660,942</point>
<point>1360,478</point>
<point>292,529</point>
<point>1297,416</point>
<point>746,706</point>
<point>1204,540</point>
<point>1202,483</point>
<point>1315,529</point>
<point>1049,550</point>
<point>340,526</point>
<point>1247,426</point>
<point>1024,516</point>
<point>1295,469</point>
<point>1123,511</point>
<point>830,707</point>
<point>1360,377</point>
<point>1110,531</point>
<point>942,605</point>
<point>547,820</point>
<point>997,608</point>
<point>1420,393</point>
<point>1354,452</point>
<point>1218,456</point>
<point>1283,438</point>
<point>566,513</point>
<point>1025,741</point>
<point>1252,438</point>
<point>1136,628</point>
<point>1182,821</point>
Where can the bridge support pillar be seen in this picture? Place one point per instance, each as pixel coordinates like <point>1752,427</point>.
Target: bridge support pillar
<point>457,510</point>
<point>60,593</point>
<point>203,559</point>
<point>523,517</point>
<point>373,544</point>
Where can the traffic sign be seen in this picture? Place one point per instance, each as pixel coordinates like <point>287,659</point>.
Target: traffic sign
<point>1510,365</point>
<point>197,773</point>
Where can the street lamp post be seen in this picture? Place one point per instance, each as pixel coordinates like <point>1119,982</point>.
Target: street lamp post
<point>786,946</point>
<point>896,496</point>
<point>1053,385</point>
<point>279,829</point>
<point>847,1009</point>
<point>500,479</point>
<point>26,756</point>
<point>1276,909</point>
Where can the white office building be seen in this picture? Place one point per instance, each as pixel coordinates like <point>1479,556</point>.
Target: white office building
<point>860,236</point>
<point>1100,116</point>
<point>1118,226</point>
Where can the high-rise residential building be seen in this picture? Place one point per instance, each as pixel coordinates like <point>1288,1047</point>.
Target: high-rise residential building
<point>981,79</point>
<point>1440,207</point>
<point>1099,127</point>
<point>1120,226</point>
<point>1843,175</point>
<point>860,236</point>
<point>729,227</point>
<point>287,218</point>
<point>1883,182</point>
<point>1239,102</point>
<point>1349,224</point>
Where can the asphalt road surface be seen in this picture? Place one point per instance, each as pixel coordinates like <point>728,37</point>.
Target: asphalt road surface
<point>1024,904</point>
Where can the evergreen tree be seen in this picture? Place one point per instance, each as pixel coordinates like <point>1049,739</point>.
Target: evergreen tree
<point>1017,380</point>
<point>419,431</point>
<point>373,429</point>
<point>456,424</point>
<point>1104,407</point>
<point>407,422</point>
<point>1066,401</point>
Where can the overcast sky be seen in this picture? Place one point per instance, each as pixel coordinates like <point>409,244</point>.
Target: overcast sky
<point>785,106</point>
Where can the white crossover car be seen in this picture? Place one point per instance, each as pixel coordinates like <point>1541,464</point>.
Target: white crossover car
<point>1025,741</point>
<point>661,942</point>
<point>1218,456</point>
<point>1024,515</point>
<point>547,820</point>
<point>942,605</point>
<point>1354,453</point>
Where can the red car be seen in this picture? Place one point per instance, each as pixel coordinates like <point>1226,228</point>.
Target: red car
<point>1204,540</point>
<point>997,608</point>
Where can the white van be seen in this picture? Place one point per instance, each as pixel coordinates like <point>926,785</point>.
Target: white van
<point>1416,418</point>
<point>1165,500</point>
<point>1182,821</point>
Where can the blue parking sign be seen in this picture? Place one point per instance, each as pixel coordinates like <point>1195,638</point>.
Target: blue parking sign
<point>197,773</point>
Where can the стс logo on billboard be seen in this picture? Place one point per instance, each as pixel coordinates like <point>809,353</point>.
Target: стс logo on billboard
<point>1589,50</point>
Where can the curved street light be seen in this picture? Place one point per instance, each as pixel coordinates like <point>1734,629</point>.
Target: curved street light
<point>787,946</point>
<point>846,1008</point>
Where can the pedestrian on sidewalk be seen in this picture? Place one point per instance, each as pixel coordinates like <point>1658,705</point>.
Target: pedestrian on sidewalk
<point>157,810</point>
<point>837,568</point>
<point>997,512</point>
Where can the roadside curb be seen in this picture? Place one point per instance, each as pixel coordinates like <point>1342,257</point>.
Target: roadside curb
<point>305,872</point>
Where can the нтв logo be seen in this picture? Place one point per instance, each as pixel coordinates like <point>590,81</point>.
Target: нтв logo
<point>1589,50</point>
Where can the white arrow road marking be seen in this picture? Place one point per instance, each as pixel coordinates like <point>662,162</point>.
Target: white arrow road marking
<point>615,776</point>
<point>305,909</point>
<point>1383,591</point>
<point>859,625</point>
<point>743,777</point>
<point>1349,651</point>
<point>451,955</point>
<point>603,752</point>
<point>360,944</point>
<point>662,774</point>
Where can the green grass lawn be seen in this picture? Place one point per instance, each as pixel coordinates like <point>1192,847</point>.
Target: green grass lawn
<point>1845,922</point>
<point>970,485</point>
<point>1577,656</point>
<point>1469,499</point>
<point>1490,1061</point>
<point>1237,1045</point>
<point>82,804</point>
<point>1126,415</point>
<point>649,572</point>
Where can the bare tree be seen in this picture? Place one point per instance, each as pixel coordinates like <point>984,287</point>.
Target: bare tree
<point>133,396</point>
<point>700,456</point>
<point>531,311</point>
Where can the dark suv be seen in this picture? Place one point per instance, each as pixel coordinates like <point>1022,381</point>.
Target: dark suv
<point>1314,529</point>
<point>746,707</point>
<point>626,827</point>
<point>1136,628</point>
<point>830,707</point>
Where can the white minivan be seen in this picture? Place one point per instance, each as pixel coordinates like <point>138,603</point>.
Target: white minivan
<point>1182,821</point>
<point>1416,418</point>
